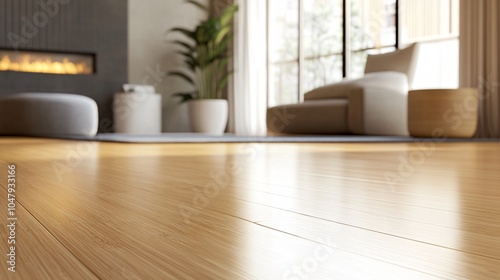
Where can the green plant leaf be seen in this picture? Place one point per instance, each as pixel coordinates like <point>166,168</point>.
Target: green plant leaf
<point>221,34</point>
<point>223,63</point>
<point>203,58</point>
<point>185,96</point>
<point>188,55</point>
<point>199,5</point>
<point>224,80</point>
<point>184,44</point>
<point>182,76</point>
<point>207,30</point>
<point>190,34</point>
<point>205,53</point>
<point>191,64</point>
<point>222,47</point>
<point>189,60</point>
<point>228,14</point>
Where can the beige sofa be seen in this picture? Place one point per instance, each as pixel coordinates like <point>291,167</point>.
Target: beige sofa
<point>375,104</point>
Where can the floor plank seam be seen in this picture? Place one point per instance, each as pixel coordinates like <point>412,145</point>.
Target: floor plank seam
<point>352,226</point>
<point>355,253</point>
<point>57,239</point>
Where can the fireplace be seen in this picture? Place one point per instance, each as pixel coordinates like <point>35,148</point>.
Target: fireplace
<point>61,46</point>
<point>47,62</point>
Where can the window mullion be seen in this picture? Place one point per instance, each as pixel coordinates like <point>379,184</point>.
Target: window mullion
<point>396,24</point>
<point>301,51</point>
<point>346,42</point>
<point>268,52</point>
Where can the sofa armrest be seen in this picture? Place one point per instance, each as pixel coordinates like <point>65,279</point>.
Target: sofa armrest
<point>332,91</point>
<point>381,106</point>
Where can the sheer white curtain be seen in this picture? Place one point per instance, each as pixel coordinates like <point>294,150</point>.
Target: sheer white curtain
<point>248,93</point>
<point>479,59</point>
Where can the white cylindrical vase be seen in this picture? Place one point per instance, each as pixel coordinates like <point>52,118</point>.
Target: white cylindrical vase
<point>137,113</point>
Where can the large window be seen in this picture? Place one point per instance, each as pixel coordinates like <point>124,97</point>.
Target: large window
<point>316,42</point>
<point>435,24</point>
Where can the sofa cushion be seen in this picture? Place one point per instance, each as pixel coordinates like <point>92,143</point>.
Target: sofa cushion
<point>337,90</point>
<point>402,60</point>
<point>310,117</point>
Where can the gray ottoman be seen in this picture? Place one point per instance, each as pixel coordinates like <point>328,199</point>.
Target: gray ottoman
<point>48,115</point>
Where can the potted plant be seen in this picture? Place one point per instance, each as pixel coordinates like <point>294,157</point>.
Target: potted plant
<point>206,59</point>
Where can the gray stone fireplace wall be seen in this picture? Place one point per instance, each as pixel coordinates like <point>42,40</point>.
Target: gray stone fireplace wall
<point>97,27</point>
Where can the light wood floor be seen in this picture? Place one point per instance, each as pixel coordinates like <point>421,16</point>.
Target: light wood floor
<point>252,211</point>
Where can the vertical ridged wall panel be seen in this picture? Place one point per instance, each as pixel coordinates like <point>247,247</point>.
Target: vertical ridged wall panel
<point>43,25</point>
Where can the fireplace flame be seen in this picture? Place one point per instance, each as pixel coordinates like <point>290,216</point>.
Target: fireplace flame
<point>27,63</point>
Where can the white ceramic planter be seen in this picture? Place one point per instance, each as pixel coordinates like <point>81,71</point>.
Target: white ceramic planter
<point>208,115</point>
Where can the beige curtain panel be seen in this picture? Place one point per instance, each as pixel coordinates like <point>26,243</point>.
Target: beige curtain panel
<point>479,60</point>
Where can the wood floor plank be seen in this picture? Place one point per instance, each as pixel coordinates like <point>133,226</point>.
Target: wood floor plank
<point>440,261</point>
<point>431,226</point>
<point>263,211</point>
<point>114,235</point>
<point>39,255</point>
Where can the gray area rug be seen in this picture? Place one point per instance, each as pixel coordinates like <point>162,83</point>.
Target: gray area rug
<point>231,138</point>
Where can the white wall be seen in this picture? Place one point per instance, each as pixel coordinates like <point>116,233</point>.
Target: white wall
<point>149,50</point>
